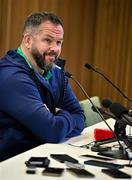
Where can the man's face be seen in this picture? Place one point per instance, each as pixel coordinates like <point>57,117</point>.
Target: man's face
<point>46,45</point>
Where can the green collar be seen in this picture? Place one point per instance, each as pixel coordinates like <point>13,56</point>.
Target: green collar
<point>19,51</point>
<point>47,75</point>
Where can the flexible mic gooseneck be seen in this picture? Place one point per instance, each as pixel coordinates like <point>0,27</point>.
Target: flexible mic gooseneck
<point>69,75</point>
<point>90,67</point>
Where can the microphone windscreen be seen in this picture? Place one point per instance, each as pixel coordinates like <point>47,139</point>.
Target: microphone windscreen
<point>102,134</point>
<point>106,103</point>
<point>89,66</point>
<point>117,109</point>
<point>69,75</point>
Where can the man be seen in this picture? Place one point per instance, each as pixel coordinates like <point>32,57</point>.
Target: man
<point>37,104</point>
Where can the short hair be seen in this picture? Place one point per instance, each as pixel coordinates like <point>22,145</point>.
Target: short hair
<point>36,19</point>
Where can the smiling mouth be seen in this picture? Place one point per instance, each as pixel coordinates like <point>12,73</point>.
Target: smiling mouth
<point>50,56</point>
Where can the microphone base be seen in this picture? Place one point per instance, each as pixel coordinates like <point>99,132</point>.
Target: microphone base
<point>117,154</point>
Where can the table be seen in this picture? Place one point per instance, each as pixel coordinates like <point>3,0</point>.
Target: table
<point>15,169</point>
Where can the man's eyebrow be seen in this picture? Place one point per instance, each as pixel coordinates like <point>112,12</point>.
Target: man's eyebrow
<point>49,36</point>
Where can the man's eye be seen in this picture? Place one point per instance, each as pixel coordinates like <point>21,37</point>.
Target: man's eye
<point>48,40</point>
<point>59,43</point>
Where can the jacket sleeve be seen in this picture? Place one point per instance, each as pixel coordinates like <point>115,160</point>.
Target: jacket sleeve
<point>21,100</point>
<point>72,106</point>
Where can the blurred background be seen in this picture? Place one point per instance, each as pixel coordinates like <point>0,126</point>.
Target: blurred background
<point>98,32</point>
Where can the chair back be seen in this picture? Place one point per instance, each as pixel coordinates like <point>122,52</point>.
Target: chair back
<point>91,116</point>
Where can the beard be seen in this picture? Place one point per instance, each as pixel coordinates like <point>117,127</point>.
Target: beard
<point>41,61</point>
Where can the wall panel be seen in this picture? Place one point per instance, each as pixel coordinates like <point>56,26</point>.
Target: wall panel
<point>98,32</point>
<point>112,48</point>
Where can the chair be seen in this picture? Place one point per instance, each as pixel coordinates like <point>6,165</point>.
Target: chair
<point>91,116</point>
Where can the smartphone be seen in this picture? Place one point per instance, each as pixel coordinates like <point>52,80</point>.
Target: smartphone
<point>103,164</point>
<point>63,157</point>
<point>115,173</point>
<point>80,172</point>
<point>37,162</point>
<point>52,171</point>
<point>31,170</point>
<point>96,157</point>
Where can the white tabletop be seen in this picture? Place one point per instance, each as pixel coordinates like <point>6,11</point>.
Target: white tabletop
<point>87,135</point>
<point>14,168</point>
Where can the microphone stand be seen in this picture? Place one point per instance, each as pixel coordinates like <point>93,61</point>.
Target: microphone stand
<point>121,151</point>
<point>122,119</point>
<point>121,134</point>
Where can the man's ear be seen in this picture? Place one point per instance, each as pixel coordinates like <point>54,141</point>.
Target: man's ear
<point>27,39</point>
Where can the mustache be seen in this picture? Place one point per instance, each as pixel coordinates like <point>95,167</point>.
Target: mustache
<point>50,54</point>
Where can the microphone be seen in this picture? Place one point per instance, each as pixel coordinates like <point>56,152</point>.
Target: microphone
<point>90,67</point>
<point>109,114</point>
<point>121,112</point>
<point>118,110</point>
<point>69,75</point>
<point>123,117</point>
<point>106,103</point>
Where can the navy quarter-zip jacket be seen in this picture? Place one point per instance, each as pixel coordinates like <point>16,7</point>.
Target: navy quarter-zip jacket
<point>25,122</point>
